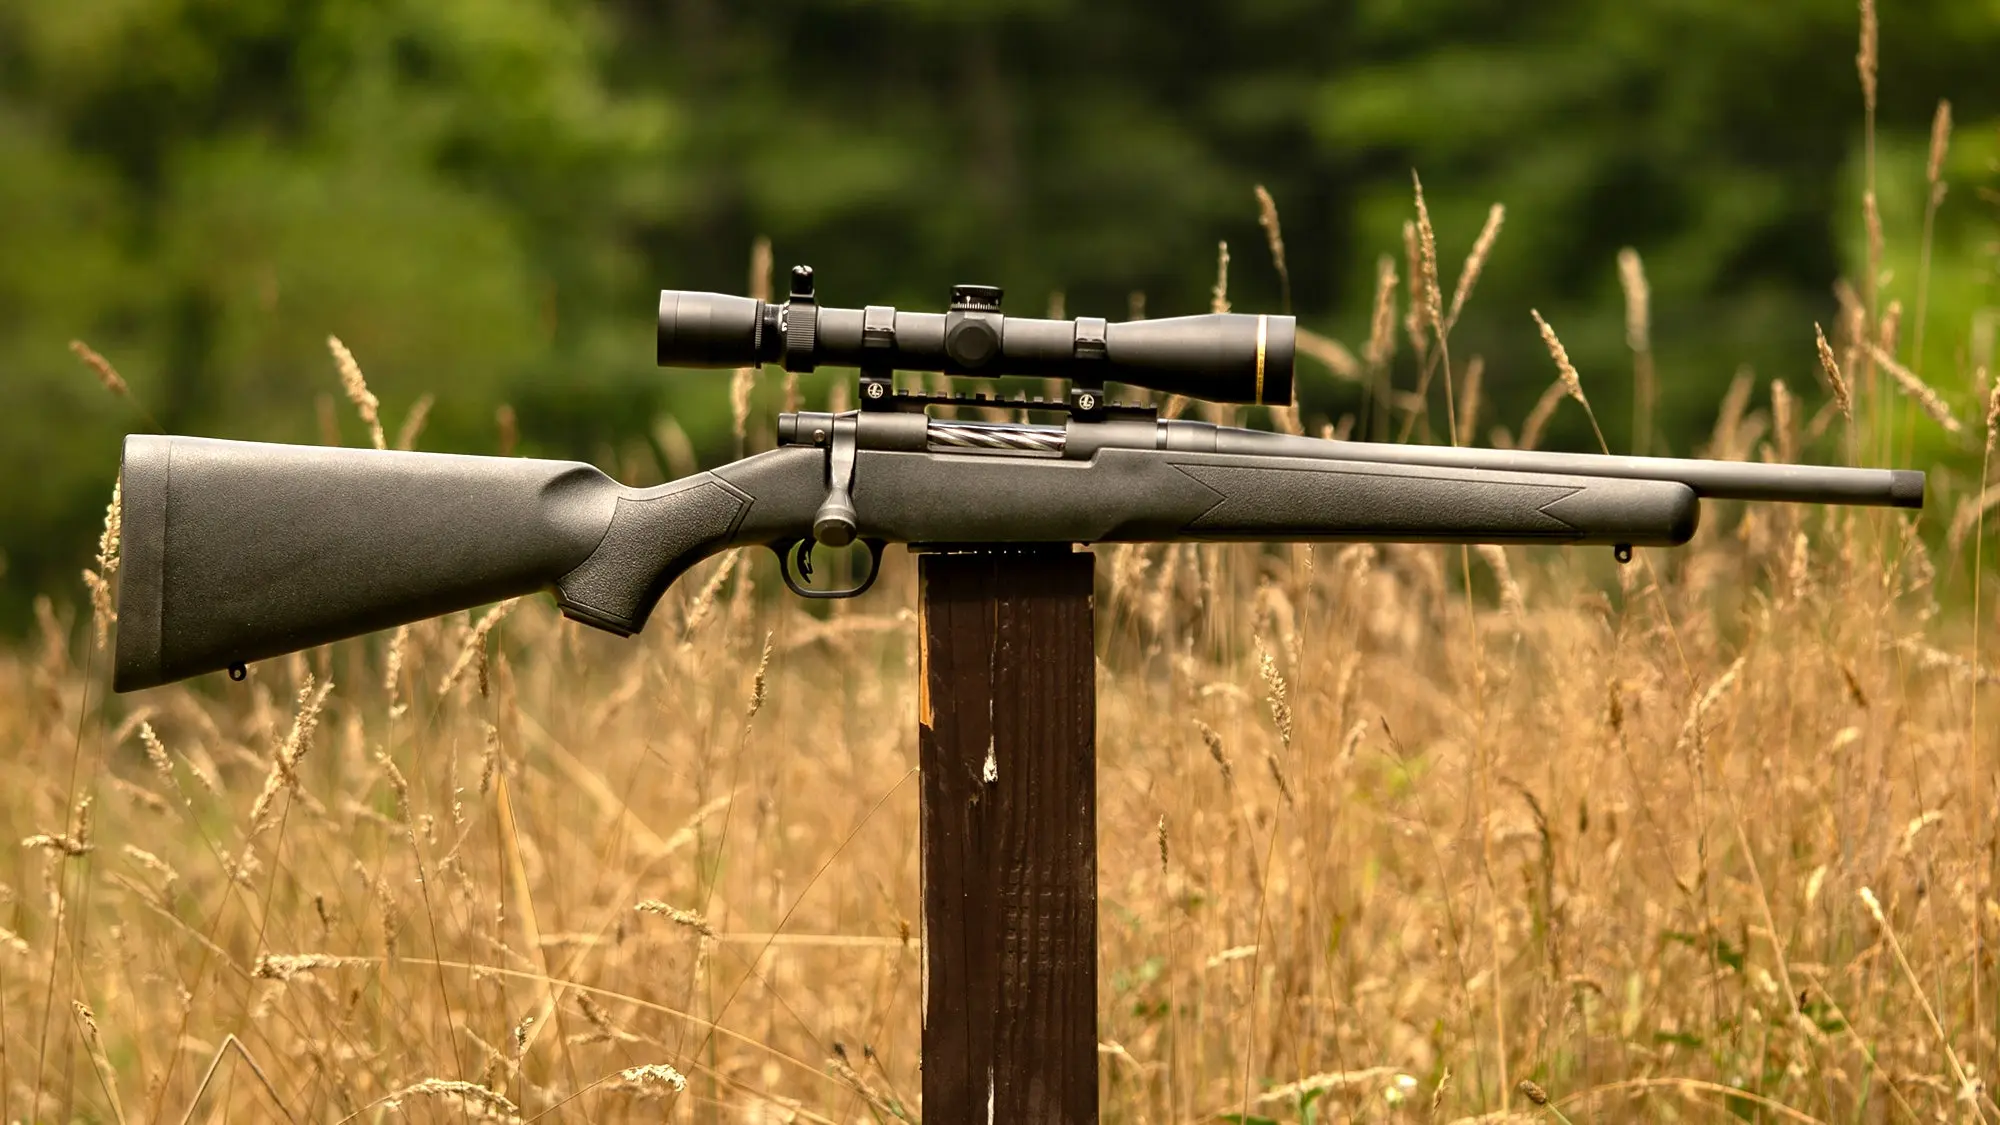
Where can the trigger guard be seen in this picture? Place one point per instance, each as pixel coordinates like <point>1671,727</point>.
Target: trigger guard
<point>788,550</point>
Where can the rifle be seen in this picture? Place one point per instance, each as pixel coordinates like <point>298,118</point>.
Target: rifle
<point>237,551</point>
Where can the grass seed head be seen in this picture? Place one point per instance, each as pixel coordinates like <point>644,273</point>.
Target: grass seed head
<point>1278,777</point>
<point>169,877</point>
<point>489,761</point>
<point>1277,695</point>
<point>470,1093</point>
<point>59,843</point>
<point>356,389</point>
<point>106,374</point>
<point>704,600</point>
<point>1475,262</point>
<point>285,966</point>
<point>1638,301</point>
<point>1913,385</point>
<point>1428,259</point>
<point>413,422</point>
<point>1218,297</point>
<point>659,1073</point>
<point>1214,743</point>
<point>114,528</point>
<point>1472,387</point>
<point>156,751</point>
<point>283,775</point>
<point>102,611</point>
<point>676,915</point>
<point>1940,144</point>
<point>392,670</point>
<point>1495,557</point>
<point>1866,60</point>
<point>399,785</point>
<point>1274,238</point>
<point>1328,351</point>
<point>1414,324</point>
<point>1892,326</point>
<point>1992,418</point>
<point>392,918</point>
<point>475,643</point>
<point>742,385</point>
<point>1382,326</point>
<point>759,682</point>
<point>1572,384</point>
<point>1842,396</point>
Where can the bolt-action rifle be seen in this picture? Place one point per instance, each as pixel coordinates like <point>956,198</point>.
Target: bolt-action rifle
<point>237,551</point>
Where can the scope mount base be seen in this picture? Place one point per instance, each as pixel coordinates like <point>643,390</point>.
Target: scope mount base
<point>1097,408</point>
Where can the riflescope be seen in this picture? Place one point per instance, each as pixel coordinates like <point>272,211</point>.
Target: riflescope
<point>1222,357</point>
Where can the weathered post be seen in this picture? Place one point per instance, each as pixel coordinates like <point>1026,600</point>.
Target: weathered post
<point>1007,750</point>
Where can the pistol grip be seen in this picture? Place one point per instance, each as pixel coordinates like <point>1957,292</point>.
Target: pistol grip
<point>654,536</point>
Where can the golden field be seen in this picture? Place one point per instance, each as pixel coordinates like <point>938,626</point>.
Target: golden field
<point>1364,825</point>
<point>1386,833</point>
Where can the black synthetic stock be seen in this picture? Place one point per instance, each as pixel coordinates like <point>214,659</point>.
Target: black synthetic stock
<point>1141,495</point>
<point>236,551</point>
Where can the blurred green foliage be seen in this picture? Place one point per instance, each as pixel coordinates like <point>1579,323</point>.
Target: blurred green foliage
<point>481,196</point>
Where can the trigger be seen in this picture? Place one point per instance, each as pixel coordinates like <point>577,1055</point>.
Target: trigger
<point>798,553</point>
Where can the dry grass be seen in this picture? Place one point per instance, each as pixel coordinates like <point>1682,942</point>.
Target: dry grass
<point>1693,785</point>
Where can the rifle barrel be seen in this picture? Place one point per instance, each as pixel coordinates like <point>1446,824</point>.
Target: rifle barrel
<point>1719,480</point>
<point>1715,480</point>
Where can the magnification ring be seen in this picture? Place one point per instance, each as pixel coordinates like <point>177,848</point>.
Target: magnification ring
<point>801,334</point>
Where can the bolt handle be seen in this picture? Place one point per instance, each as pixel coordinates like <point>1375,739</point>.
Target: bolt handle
<point>835,523</point>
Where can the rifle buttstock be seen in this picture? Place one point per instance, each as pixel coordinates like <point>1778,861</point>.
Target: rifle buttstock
<point>237,551</point>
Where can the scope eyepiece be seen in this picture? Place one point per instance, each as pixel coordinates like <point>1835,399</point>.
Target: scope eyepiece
<point>709,330</point>
<point>1222,357</point>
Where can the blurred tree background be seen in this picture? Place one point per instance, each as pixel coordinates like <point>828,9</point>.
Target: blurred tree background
<point>482,196</point>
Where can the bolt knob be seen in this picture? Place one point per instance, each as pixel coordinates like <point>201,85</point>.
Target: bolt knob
<point>833,524</point>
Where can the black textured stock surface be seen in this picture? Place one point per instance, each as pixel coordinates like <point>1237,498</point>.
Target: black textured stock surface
<point>1136,494</point>
<point>243,550</point>
<point>236,551</point>
<point>653,537</point>
<point>1264,502</point>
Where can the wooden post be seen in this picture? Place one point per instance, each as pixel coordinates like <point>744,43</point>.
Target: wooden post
<point>1007,750</point>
